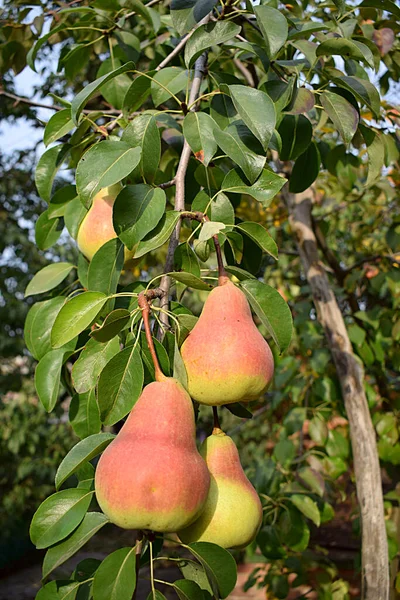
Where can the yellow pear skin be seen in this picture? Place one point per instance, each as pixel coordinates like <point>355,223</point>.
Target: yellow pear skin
<point>227,359</point>
<point>97,227</point>
<point>233,513</point>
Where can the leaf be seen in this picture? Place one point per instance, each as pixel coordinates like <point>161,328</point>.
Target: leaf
<point>296,134</point>
<point>58,125</point>
<point>209,229</point>
<point>31,56</point>
<point>92,88</point>
<point>205,36</point>
<point>105,267</point>
<point>243,148</point>
<point>168,82</point>
<point>60,200</point>
<point>104,164</point>
<point>38,325</point>
<point>260,236</point>
<point>138,209</point>
<point>74,215</point>
<point>47,168</point>
<point>84,451</point>
<point>387,5</point>
<point>143,132</point>
<point>239,410</point>
<point>75,316</point>
<point>271,309</point>
<point>114,90</point>
<point>257,111</point>
<point>137,93</point>
<point>84,414</point>
<point>363,90</point>
<point>186,13</point>
<point>313,479</point>
<point>307,506</point>
<point>47,231</point>
<point>59,590</point>
<point>47,378</point>
<point>115,579</point>
<point>219,564</point>
<point>56,555</point>
<point>264,189</point>
<point>274,28</point>
<point>193,571</point>
<point>186,260</point>
<point>58,516</point>
<point>223,111</point>
<point>302,102</point>
<point>305,169</point>
<point>376,153</point>
<point>91,362</point>
<point>188,590</point>
<point>218,208</point>
<point>48,278</point>
<point>179,369</point>
<point>198,131</point>
<point>120,385</point>
<point>158,236</point>
<point>342,114</point>
<point>190,280</point>
<point>346,48</point>
<point>112,325</point>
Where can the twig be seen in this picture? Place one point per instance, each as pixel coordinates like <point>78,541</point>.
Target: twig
<point>167,184</point>
<point>245,72</point>
<point>180,45</point>
<point>56,107</point>
<point>375,258</point>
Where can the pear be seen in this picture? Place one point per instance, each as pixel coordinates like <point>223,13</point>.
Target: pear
<point>233,513</point>
<point>226,358</point>
<point>152,476</point>
<point>97,226</point>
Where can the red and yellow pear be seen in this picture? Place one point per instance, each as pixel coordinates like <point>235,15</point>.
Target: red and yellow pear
<point>233,513</point>
<point>227,359</point>
<point>97,226</point>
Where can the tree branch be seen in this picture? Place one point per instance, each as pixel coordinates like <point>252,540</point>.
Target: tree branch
<point>375,571</point>
<point>56,107</point>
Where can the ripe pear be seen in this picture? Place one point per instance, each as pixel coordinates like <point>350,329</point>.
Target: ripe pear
<point>152,476</point>
<point>233,513</point>
<point>226,358</point>
<point>97,226</point>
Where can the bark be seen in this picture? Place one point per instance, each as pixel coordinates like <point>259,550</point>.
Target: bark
<point>375,566</point>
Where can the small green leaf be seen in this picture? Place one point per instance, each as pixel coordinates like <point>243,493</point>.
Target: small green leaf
<point>137,93</point>
<point>260,236</point>
<point>168,82</point>
<point>91,362</point>
<point>58,516</point>
<point>143,132</point>
<point>211,34</point>
<point>47,168</point>
<point>114,90</point>
<point>38,325</point>
<point>188,590</point>
<point>47,231</point>
<point>264,189</point>
<point>219,564</point>
<point>363,90</point>
<point>243,148</point>
<point>58,125</point>
<point>112,325</point>
<point>342,114</point>
<point>116,576</point>
<point>47,378</point>
<point>376,153</point>
<point>105,267</point>
<point>346,48</point>
<point>31,56</point>
<point>305,169</point>
<point>296,134</point>
<point>75,316</point>
<point>158,236</point>
<point>48,278</point>
<point>190,280</point>
<point>198,131</point>
<point>186,260</point>
<point>257,111</point>
<point>60,200</point>
<point>209,229</point>
<point>58,554</point>
<point>274,28</point>
<point>84,414</point>
<point>307,506</point>
<point>84,451</point>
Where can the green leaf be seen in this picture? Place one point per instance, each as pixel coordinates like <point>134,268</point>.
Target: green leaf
<point>188,590</point>
<point>257,111</point>
<point>264,189</point>
<point>137,93</point>
<point>313,479</point>
<point>218,209</point>
<point>91,362</point>
<point>296,134</point>
<point>179,369</point>
<point>80,100</point>
<point>239,410</point>
<point>143,132</point>
<point>271,309</point>
<point>191,280</point>
<point>211,34</point>
<point>305,169</point>
<point>112,325</point>
<point>193,571</point>
<point>47,378</point>
<point>58,125</point>
<point>59,590</point>
<point>274,28</point>
<point>209,229</point>
<point>75,212</point>
<point>243,148</point>
<point>241,274</point>
<point>346,48</point>
<point>115,579</point>
<point>186,260</point>
<point>158,236</point>
<point>307,506</point>
<point>260,236</point>
<point>47,231</point>
<point>31,56</point>
<point>219,565</point>
<point>38,325</point>
<point>166,83</point>
<point>47,168</point>
<point>294,530</point>
<point>84,414</point>
<point>223,111</point>
<point>376,153</point>
<point>138,209</point>
<point>269,543</point>
<point>387,5</point>
<point>104,164</point>
<point>156,595</point>
<point>60,200</point>
<point>342,114</point>
<point>105,267</point>
<point>58,516</point>
<point>114,90</point>
<point>75,316</point>
<point>198,129</point>
<point>363,90</point>
<point>57,555</point>
<point>48,278</point>
<point>84,451</point>
<point>120,385</point>
<point>186,13</point>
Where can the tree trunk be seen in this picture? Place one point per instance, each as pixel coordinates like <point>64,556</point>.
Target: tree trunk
<point>375,563</point>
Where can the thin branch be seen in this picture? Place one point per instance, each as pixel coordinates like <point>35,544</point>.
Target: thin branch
<point>245,72</point>
<point>180,45</point>
<point>56,107</point>
<point>167,184</point>
<point>375,258</point>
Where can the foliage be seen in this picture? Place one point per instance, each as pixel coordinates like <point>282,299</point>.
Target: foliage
<point>273,92</point>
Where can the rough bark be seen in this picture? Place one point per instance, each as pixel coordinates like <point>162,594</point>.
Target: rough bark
<point>375,567</point>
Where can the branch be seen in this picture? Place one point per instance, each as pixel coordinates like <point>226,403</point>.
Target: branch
<point>180,45</point>
<point>375,258</point>
<point>245,72</point>
<point>199,69</point>
<point>375,571</point>
<point>56,107</point>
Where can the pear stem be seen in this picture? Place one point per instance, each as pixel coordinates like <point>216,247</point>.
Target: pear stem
<point>217,424</point>
<point>222,274</point>
<point>144,305</point>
